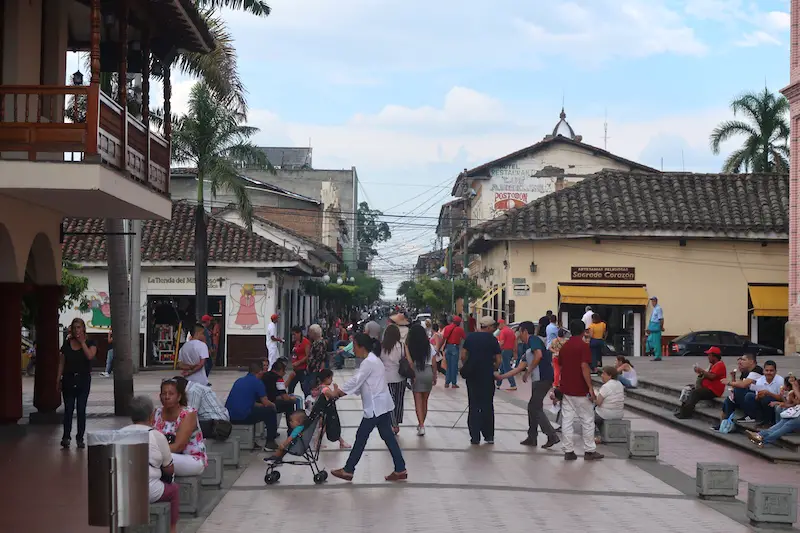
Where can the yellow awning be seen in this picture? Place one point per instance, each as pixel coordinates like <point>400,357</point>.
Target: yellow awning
<point>769,300</point>
<point>603,294</point>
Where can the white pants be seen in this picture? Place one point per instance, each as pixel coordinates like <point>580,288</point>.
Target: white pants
<point>580,408</point>
<point>272,355</point>
<point>187,465</point>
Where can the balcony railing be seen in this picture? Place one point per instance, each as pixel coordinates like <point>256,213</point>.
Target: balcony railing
<point>33,125</point>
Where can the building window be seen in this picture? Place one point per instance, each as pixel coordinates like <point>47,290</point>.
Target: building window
<point>512,311</point>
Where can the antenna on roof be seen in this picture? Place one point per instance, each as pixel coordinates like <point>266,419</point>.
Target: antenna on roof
<point>683,163</point>
<point>662,164</point>
<point>605,132</point>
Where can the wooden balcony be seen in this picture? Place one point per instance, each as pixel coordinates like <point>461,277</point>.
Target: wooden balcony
<point>33,127</point>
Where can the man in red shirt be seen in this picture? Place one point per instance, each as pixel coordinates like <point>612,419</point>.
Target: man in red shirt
<point>709,383</point>
<point>452,340</point>
<point>578,394</point>
<point>508,344</point>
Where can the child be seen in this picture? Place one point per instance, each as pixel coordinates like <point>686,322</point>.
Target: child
<point>324,385</point>
<point>297,422</point>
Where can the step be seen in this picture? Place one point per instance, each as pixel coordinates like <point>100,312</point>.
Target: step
<point>699,427</point>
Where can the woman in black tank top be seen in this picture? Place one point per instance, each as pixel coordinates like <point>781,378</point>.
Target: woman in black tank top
<point>75,379</point>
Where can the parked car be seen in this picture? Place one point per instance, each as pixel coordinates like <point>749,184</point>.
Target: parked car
<point>731,344</point>
<point>422,317</point>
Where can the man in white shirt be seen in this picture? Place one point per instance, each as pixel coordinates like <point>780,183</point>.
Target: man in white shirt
<point>587,316</point>
<point>369,382</point>
<point>766,390</point>
<point>192,357</point>
<point>273,340</point>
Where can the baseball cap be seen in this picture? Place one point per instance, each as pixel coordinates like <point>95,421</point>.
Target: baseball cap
<point>487,321</point>
<point>713,351</point>
<point>274,317</point>
<point>654,297</point>
<point>206,318</point>
<point>456,319</point>
<point>501,321</point>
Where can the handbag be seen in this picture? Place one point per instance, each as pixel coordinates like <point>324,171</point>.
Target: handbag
<point>221,430</point>
<point>406,370</point>
<point>792,412</point>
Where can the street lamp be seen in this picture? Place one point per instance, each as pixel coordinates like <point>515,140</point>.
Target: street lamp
<point>339,281</point>
<point>443,270</point>
<point>77,78</point>
<point>466,272</point>
<point>352,279</point>
<point>326,278</point>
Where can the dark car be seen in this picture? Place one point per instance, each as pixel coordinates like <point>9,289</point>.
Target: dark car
<point>731,344</point>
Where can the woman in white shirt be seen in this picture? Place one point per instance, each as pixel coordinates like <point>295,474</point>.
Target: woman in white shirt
<point>421,355</point>
<point>610,399</point>
<point>392,351</point>
<point>626,373</point>
<point>159,457</point>
<point>369,382</point>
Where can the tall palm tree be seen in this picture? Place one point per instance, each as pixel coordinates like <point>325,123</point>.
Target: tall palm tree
<point>213,137</point>
<point>766,130</point>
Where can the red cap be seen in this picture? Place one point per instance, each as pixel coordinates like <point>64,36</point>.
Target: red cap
<point>456,319</point>
<point>274,317</point>
<point>501,321</point>
<point>713,351</point>
<point>206,318</point>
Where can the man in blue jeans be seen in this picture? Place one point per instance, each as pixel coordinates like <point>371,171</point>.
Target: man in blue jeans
<point>453,338</point>
<point>370,383</point>
<point>248,404</point>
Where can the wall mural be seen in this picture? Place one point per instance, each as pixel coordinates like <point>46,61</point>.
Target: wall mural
<point>100,309</point>
<point>247,309</point>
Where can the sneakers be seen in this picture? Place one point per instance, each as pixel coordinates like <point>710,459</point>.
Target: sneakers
<point>511,389</point>
<point>80,443</point>
<point>270,445</point>
<point>456,386</point>
<point>420,431</point>
<point>570,456</point>
<point>105,374</point>
<point>65,443</point>
<point>529,442</point>
<point>446,385</point>
<point>489,441</point>
<point>550,443</point>
<point>592,456</point>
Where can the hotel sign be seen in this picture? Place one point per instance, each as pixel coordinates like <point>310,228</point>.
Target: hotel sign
<point>604,273</point>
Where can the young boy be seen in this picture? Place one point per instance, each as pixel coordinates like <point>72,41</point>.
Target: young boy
<point>297,422</point>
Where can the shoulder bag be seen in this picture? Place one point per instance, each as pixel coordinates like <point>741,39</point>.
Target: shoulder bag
<point>406,370</point>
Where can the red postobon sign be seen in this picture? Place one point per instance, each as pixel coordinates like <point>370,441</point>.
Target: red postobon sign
<point>503,201</point>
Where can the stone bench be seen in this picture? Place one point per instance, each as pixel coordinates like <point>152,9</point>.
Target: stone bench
<point>230,450</point>
<point>615,431</point>
<point>717,481</point>
<point>189,487</point>
<point>771,505</point>
<point>212,475</point>
<point>643,445</point>
<point>159,520</point>
<point>247,433</point>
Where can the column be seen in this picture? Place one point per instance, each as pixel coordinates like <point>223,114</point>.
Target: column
<point>10,353</point>
<point>46,398</point>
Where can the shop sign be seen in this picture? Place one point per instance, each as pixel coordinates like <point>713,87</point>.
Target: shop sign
<point>604,273</point>
<point>519,281</point>
<point>181,282</point>
<point>522,290</point>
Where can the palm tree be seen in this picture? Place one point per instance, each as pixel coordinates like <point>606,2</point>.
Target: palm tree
<point>212,137</point>
<point>766,129</point>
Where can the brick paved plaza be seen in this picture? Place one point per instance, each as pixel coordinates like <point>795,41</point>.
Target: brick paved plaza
<point>452,486</point>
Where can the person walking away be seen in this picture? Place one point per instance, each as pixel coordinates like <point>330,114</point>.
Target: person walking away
<point>654,329</point>
<point>555,348</point>
<point>551,331</point>
<point>273,340</point>
<point>300,353</point>
<point>109,356</point>
<point>248,404</point>
<point>369,382</point>
<point>578,394</point>
<point>437,341</point>
<point>193,355</point>
<point>179,424</point>
<point>481,357</point>
<point>587,316</point>
<point>610,402</point>
<point>538,364</point>
<point>543,323</point>
<point>208,336</point>
<point>392,350</point>
<point>75,379</point>
<point>317,357</point>
<point>422,356</point>
<point>598,330</point>
<point>508,344</point>
<point>453,342</point>
<point>159,458</point>
<point>709,383</point>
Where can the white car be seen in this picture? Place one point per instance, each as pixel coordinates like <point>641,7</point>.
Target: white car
<point>422,317</point>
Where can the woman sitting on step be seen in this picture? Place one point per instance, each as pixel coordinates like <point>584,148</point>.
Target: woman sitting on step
<point>788,420</point>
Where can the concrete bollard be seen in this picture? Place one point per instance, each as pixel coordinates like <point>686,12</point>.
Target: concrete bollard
<point>246,435</point>
<point>189,487</point>
<point>229,449</point>
<point>615,431</point>
<point>643,445</point>
<point>771,505</point>
<point>212,475</point>
<point>159,520</point>
<point>717,481</point>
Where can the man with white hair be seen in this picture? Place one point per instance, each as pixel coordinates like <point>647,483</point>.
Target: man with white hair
<point>587,316</point>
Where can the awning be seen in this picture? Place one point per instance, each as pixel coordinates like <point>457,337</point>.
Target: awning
<point>769,300</point>
<point>603,294</point>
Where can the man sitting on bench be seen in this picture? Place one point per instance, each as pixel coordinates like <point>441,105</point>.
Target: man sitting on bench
<point>248,404</point>
<point>276,390</point>
<point>210,410</point>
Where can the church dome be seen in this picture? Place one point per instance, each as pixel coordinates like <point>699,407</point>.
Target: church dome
<point>563,128</point>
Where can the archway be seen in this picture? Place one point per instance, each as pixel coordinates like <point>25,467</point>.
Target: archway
<point>8,258</point>
<point>41,268</point>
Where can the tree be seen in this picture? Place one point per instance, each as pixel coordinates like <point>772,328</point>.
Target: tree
<point>370,231</point>
<point>766,131</point>
<point>438,294</point>
<point>212,137</point>
<point>118,291</point>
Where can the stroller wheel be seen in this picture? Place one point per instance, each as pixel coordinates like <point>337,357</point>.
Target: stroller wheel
<point>272,477</point>
<point>324,475</point>
<point>320,477</point>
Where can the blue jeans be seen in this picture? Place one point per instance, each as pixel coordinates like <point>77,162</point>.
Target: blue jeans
<point>596,346</point>
<point>451,356</point>
<point>625,382</point>
<point>260,413</point>
<point>384,425</point>
<point>728,407</point>
<point>75,391</point>
<point>109,360</point>
<point>505,366</point>
<point>759,410</point>
<point>783,427</point>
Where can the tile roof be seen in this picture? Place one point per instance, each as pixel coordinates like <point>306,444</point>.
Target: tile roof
<point>613,203</point>
<point>169,241</point>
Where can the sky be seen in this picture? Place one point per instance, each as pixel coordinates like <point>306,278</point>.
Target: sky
<point>411,92</point>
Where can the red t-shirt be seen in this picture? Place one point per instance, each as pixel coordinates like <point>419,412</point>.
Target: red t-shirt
<point>716,386</point>
<point>300,351</point>
<point>507,338</point>
<point>453,334</point>
<point>572,354</point>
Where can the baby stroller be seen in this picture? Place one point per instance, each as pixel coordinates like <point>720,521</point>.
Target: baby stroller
<point>303,447</point>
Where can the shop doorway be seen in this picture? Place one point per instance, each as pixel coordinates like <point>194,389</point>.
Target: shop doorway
<point>624,324</point>
<point>169,318</point>
<point>768,330</point>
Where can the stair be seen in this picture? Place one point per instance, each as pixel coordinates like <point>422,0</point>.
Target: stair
<point>660,401</point>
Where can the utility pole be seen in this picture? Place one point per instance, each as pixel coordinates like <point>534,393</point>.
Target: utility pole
<point>466,261</point>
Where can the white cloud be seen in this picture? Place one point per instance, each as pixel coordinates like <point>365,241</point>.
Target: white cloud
<point>757,38</point>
